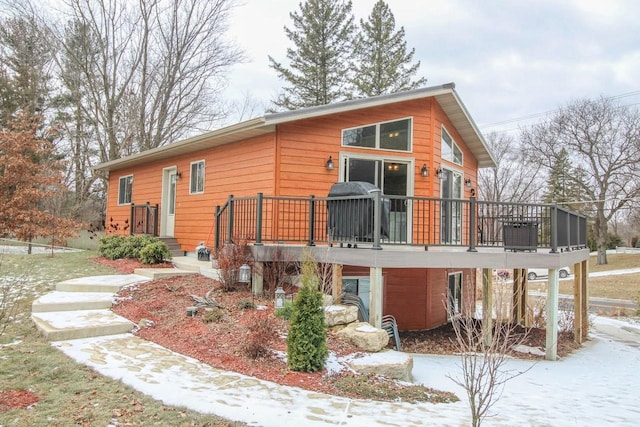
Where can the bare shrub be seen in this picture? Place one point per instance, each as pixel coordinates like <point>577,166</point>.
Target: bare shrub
<point>260,334</point>
<point>483,354</point>
<point>279,271</point>
<point>230,258</point>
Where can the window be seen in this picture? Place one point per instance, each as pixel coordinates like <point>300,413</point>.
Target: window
<point>125,190</point>
<point>394,135</point>
<point>197,177</point>
<point>455,295</point>
<point>450,150</point>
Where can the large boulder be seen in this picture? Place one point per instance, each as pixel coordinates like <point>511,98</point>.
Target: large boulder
<point>365,336</point>
<point>388,364</point>
<point>340,314</point>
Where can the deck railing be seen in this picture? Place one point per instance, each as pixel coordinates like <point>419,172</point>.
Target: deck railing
<point>379,220</point>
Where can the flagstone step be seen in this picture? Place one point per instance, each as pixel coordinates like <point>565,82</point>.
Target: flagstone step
<point>69,325</point>
<point>110,283</point>
<point>161,273</point>
<point>69,301</point>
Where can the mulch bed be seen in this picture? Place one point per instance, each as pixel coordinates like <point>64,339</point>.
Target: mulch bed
<point>222,343</point>
<point>128,265</point>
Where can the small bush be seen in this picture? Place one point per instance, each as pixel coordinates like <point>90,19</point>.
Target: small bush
<point>132,245</point>
<point>230,257</point>
<point>246,304</point>
<point>261,332</point>
<point>286,312</point>
<point>212,315</point>
<point>112,246</point>
<point>154,253</point>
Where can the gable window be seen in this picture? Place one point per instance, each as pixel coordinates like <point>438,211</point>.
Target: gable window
<point>197,177</point>
<point>450,150</point>
<point>395,135</point>
<point>125,188</point>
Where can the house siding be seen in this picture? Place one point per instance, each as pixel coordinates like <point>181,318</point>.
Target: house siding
<point>242,169</point>
<point>416,297</point>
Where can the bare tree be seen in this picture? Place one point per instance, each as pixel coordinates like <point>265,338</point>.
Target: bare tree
<point>514,179</point>
<point>602,140</point>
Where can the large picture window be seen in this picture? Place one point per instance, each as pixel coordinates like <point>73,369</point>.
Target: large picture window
<point>395,135</point>
<point>125,189</point>
<point>450,150</point>
<point>197,177</point>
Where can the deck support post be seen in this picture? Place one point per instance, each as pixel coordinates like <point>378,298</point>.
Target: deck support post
<point>336,282</point>
<point>552,315</point>
<point>257,278</point>
<point>584,271</point>
<point>577,303</point>
<point>375,296</point>
<point>520,296</point>
<point>487,304</point>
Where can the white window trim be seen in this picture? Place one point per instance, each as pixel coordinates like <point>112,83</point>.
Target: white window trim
<point>377,143</point>
<point>453,141</point>
<point>191,177</point>
<point>119,180</point>
<point>455,315</point>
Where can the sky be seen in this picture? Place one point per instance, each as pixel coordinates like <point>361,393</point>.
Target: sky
<point>511,61</point>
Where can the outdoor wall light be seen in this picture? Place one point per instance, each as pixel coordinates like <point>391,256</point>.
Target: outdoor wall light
<point>244,274</point>
<point>467,182</point>
<point>330,164</point>
<point>473,192</point>
<point>424,171</point>
<point>280,297</point>
<point>439,173</point>
<point>178,175</point>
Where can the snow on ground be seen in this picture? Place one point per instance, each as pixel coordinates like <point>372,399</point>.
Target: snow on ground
<point>595,386</point>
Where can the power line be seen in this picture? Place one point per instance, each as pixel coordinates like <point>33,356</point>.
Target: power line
<point>535,115</point>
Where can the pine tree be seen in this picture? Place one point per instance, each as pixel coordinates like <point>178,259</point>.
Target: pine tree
<point>564,182</point>
<point>383,63</point>
<point>320,61</point>
<point>307,338</point>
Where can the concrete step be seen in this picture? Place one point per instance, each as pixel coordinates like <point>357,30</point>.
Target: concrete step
<point>203,267</point>
<point>69,301</point>
<point>161,273</point>
<point>109,283</point>
<point>69,325</point>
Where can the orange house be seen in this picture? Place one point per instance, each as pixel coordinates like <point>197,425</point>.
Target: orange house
<point>417,147</point>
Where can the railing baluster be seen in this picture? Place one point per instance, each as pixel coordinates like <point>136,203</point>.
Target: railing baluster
<point>312,220</point>
<point>230,220</point>
<point>472,225</point>
<point>259,199</point>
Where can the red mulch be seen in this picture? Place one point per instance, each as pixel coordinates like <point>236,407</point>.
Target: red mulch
<point>17,399</point>
<point>222,343</point>
<point>128,265</point>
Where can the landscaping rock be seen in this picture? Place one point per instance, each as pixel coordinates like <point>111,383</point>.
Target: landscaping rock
<point>340,315</point>
<point>365,336</point>
<point>388,364</point>
<point>327,300</point>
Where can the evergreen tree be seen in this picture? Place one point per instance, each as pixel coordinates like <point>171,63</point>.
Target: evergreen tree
<point>383,63</point>
<point>320,61</point>
<point>561,187</point>
<point>307,338</point>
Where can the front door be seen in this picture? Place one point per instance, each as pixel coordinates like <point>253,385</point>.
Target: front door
<point>168,207</point>
<point>451,212</point>
<point>392,177</point>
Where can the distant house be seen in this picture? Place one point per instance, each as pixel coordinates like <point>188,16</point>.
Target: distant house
<point>267,180</point>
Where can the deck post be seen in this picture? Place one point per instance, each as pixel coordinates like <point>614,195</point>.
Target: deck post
<point>472,225</point>
<point>375,296</point>
<point>554,229</point>
<point>552,315</point>
<point>377,218</point>
<point>585,298</point>
<point>487,304</point>
<point>312,219</point>
<point>230,220</point>
<point>259,199</point>
<point>520,293</point>
<point>216,235</point>
<point>577,303</point>
<point>336,282</point>
<point>257,278</point>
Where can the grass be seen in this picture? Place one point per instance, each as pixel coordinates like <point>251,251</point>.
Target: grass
<point>377,388</point>
<point>615,262</point>
<point>70,393</point>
